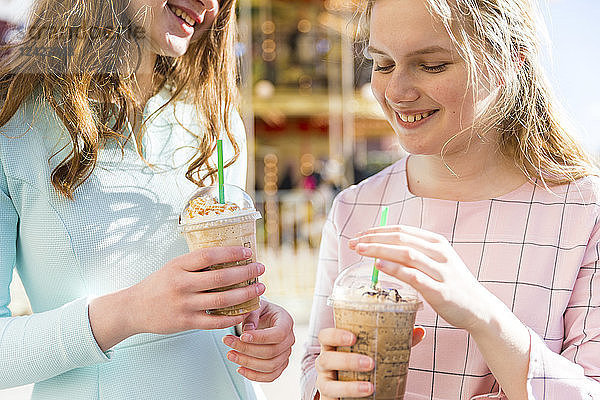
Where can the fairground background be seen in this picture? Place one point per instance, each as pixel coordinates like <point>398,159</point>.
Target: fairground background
<point>314,129</point>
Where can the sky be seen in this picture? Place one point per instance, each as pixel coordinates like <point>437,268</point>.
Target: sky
<point>13,10</point>
<point>573,63</point>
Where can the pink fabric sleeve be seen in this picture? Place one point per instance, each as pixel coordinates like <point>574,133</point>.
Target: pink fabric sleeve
<point>321,315</point>
<point>574,373</point>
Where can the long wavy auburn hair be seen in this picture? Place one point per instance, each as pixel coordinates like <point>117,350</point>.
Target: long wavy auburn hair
<point>75,50</point>
<point>501,37</point>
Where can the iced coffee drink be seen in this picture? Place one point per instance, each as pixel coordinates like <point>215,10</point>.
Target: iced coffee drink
<point>206,222</point>
<point>382,318</point>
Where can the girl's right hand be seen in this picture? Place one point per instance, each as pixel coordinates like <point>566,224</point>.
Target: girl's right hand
<point>330,361</point>
<point>175,298</point>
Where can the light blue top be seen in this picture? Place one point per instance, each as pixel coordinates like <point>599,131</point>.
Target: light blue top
<point>121,227</point>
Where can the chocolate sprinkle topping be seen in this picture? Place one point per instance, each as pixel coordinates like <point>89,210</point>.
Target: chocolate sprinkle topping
<point>384,294</point>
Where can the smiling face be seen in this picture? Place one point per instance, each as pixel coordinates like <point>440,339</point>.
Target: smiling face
<point>419,79</point>
<point>171,25</point>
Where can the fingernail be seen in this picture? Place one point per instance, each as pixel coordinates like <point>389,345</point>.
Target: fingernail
<point>261,269</point>
<point>246,337</point>
<point>232,357</point>
<point>247,253</point>
<point>365,362</point>
<point>361,247</point>
<point>364,387</point>
<point>348,338</point>
<point>260,288</point>
<point>248,327</point>
<point>353,241</point>
<point>228,340</point>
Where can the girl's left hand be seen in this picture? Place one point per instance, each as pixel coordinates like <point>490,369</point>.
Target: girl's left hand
<point>264,348</point>
<point>427,262</point>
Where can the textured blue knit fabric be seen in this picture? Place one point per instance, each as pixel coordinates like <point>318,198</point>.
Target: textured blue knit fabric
<point>121,227</point>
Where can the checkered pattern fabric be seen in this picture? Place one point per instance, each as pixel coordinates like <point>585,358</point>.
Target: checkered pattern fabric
<point>535,249</point>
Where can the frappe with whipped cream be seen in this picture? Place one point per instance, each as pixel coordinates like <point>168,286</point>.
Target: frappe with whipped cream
<point>382,318</point>
<point>205,222</point>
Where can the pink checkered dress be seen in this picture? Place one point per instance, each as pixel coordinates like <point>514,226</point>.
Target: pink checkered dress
<point>536,250</point>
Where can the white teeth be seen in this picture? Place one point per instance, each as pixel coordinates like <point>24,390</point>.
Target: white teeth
<point>414,117</point>
<point>183,15</point>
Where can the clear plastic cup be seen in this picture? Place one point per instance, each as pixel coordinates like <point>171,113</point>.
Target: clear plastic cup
<point>229,229</point>
<point>382,319</point>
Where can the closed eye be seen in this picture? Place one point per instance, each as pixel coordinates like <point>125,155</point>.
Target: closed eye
<point>383,68</point>
<point>434,68</point>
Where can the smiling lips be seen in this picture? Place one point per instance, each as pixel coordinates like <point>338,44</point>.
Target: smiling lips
<point>410,118</point>
<point>191,20</point>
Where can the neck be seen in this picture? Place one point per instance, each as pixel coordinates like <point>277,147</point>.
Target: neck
<point>144,77</point>
<point>143,86</point>
<point>479,173</point>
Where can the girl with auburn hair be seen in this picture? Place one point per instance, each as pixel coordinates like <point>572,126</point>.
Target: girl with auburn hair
<point>494,214</point>
<point>110,115</point>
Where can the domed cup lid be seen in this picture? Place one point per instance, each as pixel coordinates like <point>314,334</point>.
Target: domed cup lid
<point>352,289</point>
<point>217,213</point>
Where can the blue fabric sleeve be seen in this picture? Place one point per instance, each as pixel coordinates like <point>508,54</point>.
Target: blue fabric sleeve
<point>8,244</point>
<point>37,347</point>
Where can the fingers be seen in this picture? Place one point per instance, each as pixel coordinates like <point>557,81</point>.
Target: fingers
<point>251,321</point>
<point>330,360</point>
<point>333,337</point>
<point>262,376</point>
<point>431,250</point>
<point>422,282</point>
<point>410,230</point>
<point>207,280</point>
<point>277,334</point>
<point>260,351</point>
<point>336,389</point>
<point>343,361</point>
<point>259,364</point>
<point>214,300</point>
<point>202,258</point>
<point>404,255</point>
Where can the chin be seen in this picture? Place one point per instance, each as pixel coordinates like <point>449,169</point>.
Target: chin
<point>174,46</point>
<point>417,147</point>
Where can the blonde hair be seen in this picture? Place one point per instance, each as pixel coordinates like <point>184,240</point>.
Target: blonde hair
<point>502,37</point>
<point>74,49</point>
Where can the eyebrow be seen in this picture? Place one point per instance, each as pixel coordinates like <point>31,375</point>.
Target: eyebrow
<point>426,50</point>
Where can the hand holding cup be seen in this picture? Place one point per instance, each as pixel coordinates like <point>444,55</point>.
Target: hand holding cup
<point>176,297</point>
<point>330,361</point>
<point>265,346</point>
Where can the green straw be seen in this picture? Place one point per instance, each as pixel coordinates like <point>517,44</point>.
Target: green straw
<point>220,167</point>
<point>383,222</point>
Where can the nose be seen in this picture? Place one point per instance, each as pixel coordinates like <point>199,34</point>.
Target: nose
<point>401,88</point>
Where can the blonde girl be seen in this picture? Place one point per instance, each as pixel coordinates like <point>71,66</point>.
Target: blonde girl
<point>495,213</point>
